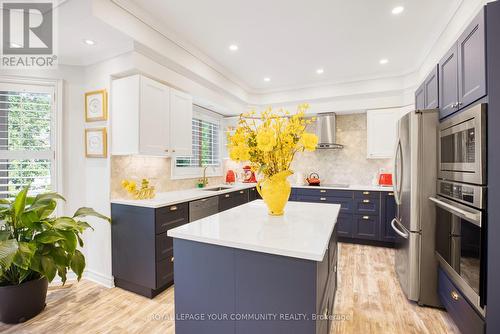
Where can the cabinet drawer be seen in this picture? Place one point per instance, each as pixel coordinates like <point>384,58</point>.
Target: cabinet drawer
<point>232,199</point>
<point>366,227</point>
<point>324,192</point>
<point>174,214</point>
<point>164,243</point>
<point>165,270</point>
<point>345,203</point>
<point>465,317</point>
<point>367,194</point>
<point>367,206</point>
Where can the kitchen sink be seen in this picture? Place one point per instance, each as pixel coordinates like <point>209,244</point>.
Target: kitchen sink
<point>216,188</point>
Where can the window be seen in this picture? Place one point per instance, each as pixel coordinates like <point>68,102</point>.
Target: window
<point>206,147</point>
<point>27,133</point>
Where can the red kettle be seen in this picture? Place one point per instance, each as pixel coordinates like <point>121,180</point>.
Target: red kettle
<point>313,179</point>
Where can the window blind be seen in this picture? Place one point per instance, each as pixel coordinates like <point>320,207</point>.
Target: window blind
<point>26,150</point>
<point>206,144</point>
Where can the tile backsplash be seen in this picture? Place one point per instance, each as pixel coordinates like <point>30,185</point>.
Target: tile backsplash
<point>157,169</point>
<point>348,165</point>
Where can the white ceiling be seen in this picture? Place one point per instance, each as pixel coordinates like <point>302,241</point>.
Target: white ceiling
<point>75,23</point>
<point>287,40</point>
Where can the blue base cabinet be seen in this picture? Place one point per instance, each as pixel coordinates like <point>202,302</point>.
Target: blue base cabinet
<point>365,216</point>
<point>462,313</point>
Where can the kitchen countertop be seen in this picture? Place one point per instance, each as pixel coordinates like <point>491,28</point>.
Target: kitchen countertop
<point>350,187</point>
<point>297,233</point>
<point>182,196</point>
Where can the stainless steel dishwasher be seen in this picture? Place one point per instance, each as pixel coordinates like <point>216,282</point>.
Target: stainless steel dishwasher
<point>203,208</point>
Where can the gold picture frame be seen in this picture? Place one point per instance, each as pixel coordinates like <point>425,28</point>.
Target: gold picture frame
<point>96,143</point>
<point>96,106</point>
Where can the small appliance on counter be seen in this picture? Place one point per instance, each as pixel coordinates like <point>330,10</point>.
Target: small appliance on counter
<point>385,179</point>
<point>230,176</point>
<point>248,175</point>
<point>313,179</point>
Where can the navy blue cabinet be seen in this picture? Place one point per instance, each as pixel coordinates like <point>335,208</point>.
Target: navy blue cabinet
<point>232,199</point>
<point>462,71</point>
<point>462,313</point>
<point>388,214</point>
<point>472,62</point>
<point>344,225</point>
<point>431,89</point>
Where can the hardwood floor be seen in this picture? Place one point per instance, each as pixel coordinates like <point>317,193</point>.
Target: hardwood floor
<point>368,300</point>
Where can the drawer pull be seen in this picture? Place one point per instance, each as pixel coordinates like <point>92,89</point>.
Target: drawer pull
<point>322,199</point>
<point>325,312</point>
<point>242,192</point>
<point>366,201</point>
<point>172,259</point>
<point>391,194</point>
<point>366,217</point>
<point>335,269</point>
<point>322,191</point>
<point>366,193</point>
<point>454,295</point>
<point>227,196</point>
<point>173,208</point>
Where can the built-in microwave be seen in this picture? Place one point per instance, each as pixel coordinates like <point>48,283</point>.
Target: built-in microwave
<point>462,146</point>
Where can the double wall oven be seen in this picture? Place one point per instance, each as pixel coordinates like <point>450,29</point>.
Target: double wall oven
<point>461,202</point>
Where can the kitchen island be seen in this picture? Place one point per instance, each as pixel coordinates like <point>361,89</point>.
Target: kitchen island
<point>243,271</point>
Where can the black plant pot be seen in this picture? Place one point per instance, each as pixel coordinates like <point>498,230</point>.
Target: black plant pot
<point>19,303</point>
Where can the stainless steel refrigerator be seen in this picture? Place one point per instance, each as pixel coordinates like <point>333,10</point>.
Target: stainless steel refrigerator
<point>415,175</point>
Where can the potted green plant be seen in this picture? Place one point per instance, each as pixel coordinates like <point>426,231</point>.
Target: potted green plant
<point>35,246</point>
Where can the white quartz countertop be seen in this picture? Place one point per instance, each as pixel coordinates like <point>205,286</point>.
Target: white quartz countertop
<point>350,187</point>
<point>181,196</point>
<point>302,232</point>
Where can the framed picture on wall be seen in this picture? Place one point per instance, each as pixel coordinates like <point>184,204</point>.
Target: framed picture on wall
<point>96,143</point>
<point>96,106</point>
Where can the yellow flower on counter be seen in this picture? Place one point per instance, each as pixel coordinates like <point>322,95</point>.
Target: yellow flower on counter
<point>240,153</point>
<point>266,140</point>
<point>309,141</point>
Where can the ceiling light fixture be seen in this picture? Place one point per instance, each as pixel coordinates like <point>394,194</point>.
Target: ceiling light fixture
<point>267,79</point>
<point>398,10</point>
<point>320,71</point>
<point>383,61</point>
<point>89,42</point>
<point>233,47</point>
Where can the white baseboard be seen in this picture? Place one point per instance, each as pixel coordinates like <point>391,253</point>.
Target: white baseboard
<point>99,278</point>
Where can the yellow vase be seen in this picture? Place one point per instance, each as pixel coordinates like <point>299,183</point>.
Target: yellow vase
<point>275,191</point>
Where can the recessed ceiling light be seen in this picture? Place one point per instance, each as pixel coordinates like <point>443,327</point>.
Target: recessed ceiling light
<point>89,42</point>
<point>267,79</point>
<point>398,10</point>
<point>15,45</point>
<point>383,61</point>
<point>233,47</point>
<point>320,71</point>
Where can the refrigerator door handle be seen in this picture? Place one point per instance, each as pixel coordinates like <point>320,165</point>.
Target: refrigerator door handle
<point>397,230</point>
<point>398,156</point>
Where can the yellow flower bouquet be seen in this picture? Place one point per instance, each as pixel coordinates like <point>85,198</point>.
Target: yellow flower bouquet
<point>270,144</point>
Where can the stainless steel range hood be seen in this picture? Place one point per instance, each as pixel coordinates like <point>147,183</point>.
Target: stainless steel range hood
<point>326,131</point>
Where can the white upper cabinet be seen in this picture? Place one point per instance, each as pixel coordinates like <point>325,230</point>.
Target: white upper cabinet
<point>149,118</point>
<point>381,132</point>
<point>181,109</point>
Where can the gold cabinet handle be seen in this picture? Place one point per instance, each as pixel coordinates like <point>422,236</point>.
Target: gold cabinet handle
<point>335,269</point>
<point>322,199</point>
<point>322,191</point>
<point>166,150</point>
<point>173,208</point>
<point>227,195</point>
<point>173,151</point>
<point>366,217</point>
<point>366,193</point>
<point>325,312</point>
<point>172,259</point>
<point>454,295</point>
<point>366,201</point>
<point>391,194</point>
<point>241,192</point>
